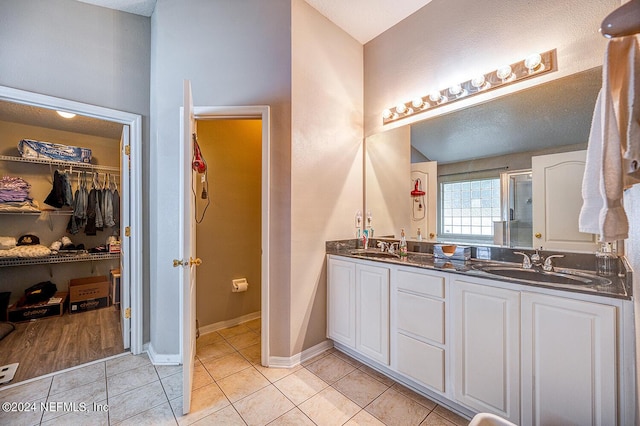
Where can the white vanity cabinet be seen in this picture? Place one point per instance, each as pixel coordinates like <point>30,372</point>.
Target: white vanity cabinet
<point>418,332</point>
<point>534,356</point>
<point>486,348</point>
<point>358,307</point>
<point>569,362</point>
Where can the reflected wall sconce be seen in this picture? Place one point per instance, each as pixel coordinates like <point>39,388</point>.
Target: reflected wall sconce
<point>532,66</point>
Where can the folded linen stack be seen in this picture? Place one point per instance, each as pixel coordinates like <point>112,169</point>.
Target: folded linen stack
<point>14,189</point>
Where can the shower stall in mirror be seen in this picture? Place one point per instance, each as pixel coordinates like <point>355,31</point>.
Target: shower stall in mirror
<point>516,227</point>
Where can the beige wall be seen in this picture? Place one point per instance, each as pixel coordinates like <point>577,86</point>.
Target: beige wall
<point>228,240</point>
<point>326,160</point>
<point>16,279</point>
<point>447,42</point>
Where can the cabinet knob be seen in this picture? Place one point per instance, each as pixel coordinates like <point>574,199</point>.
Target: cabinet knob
<point>431,235</point>
<point>538,235</point>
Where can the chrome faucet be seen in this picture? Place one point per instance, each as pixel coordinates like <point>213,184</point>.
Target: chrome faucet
<point>548,265</point>
<point>384,246</point>
<point>536,259</point>
<point>526,262</point>
<point>391,249</point>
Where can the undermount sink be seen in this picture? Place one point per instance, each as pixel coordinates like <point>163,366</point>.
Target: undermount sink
<point>536,276</point>
<point>375,254</point>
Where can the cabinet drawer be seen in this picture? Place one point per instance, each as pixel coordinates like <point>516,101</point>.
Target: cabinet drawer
<point>421,361</point>
<point>429,285</point>
<point>421,316</point>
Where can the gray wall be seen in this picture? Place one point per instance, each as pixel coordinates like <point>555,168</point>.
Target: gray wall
<point>234,53</point>
<point>85,53</point>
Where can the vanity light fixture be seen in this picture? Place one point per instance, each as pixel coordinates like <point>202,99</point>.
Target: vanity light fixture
<point>66,114</point>
<point>532,66</point>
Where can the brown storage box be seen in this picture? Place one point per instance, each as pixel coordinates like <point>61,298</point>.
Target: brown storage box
<point>38,310</point>
<point>88,293</point>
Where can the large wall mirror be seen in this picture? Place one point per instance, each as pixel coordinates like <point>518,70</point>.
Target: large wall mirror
<point>466,176</point>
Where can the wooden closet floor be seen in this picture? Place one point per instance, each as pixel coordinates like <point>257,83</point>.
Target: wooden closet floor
<point>56,343</point>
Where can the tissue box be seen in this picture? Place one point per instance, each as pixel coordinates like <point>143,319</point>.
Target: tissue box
<point>36,149</point>
<point>452,251</point>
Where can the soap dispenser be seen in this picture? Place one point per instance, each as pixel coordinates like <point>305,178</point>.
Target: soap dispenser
<point>403,245</point>
<point>606,261</point>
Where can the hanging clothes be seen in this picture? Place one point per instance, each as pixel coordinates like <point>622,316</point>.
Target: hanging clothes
<point>66,189</point>
<point>116,208</point>
<point>79,217</point>
<point>92,207</point>
<point>108,208</point>
<point>56,196</point>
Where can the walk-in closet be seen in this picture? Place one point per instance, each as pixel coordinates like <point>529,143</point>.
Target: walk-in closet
<point>60,235</point>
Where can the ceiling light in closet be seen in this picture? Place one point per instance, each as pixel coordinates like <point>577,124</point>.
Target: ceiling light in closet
<point>66,114</point>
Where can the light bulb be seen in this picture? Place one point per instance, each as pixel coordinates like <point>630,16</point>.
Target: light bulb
<point>386,114</point>
<point>417,102</point>
<point>401,108</point>
<point>504,72</point>
<point>435,96</point>
<point>478,81</point>
<point>533,61</point>
<point>455,90</point>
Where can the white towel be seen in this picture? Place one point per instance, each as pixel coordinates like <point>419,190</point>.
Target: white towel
<point>602,187</point>
<point>628,107</point>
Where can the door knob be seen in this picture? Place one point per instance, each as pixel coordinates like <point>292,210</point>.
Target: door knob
<point>197,261</point>
<point>178,262</point>
<point>538,235</point>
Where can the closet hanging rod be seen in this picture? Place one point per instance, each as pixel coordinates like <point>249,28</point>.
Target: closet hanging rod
<point>624,21</point>
<point>60,163</point>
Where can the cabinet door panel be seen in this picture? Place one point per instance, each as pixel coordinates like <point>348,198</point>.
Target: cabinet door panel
<point>421,316</point>
<point>372,312</point>
<point>341,302</point>
<point>421,361</point>
<point>568,361</point>
<point>486,349</point>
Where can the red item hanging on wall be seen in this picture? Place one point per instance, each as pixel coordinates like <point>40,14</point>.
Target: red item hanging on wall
<point>417,192</point>
<point>198,163</point>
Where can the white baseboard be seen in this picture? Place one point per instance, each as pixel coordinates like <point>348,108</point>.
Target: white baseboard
<point>292,361</point>
<point>210,328</point>
<point>162,359</point>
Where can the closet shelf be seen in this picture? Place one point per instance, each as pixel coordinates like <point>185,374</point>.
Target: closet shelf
<point>57,258</point>
<point>85,166</point>
<point>38,213</point>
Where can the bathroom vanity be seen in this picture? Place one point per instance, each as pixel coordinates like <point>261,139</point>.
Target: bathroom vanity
<point>532,353</point>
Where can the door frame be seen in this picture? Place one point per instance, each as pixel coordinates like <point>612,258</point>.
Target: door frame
<point>134,121</point>
<point>262,112</point>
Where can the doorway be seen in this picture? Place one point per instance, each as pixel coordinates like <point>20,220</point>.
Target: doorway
<point>228,222</point>
<point>189,115</point>
<point>130,229</point>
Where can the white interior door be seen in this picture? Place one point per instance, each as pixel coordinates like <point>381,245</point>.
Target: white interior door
<point>557,199</point>
<point>428,173</point>
<point>125,261</point>
<point>187,250</point>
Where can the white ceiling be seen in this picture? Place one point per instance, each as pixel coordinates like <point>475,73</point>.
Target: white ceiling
<point>362,19</point>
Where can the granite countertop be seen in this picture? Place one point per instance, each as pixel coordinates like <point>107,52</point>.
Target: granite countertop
<point>619,288</point>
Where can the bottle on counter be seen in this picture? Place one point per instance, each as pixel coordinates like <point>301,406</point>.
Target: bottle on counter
<point>419,235</point>
<point>403,244</point>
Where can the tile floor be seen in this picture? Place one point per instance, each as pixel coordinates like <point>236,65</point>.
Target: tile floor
<point>230,388</point>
